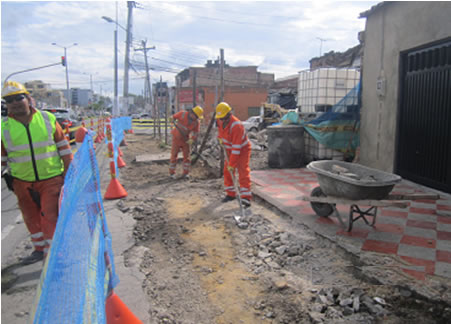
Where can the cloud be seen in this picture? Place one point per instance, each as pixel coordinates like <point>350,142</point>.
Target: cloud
<point>278,37</point>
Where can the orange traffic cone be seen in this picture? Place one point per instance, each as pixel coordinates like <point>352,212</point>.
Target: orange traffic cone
<point>115,190</point>
<point>80,136</point>
<point>120,162</point>
<point>118,313</point>
<point>98,139</point>
<point>119,151</point>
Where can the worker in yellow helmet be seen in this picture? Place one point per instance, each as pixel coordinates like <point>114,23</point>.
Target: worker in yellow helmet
<point>186,123</point>
<point>232,135</point>
<point>38,155</point>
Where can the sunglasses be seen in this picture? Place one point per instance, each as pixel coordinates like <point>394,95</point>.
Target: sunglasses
<point>11,99</point>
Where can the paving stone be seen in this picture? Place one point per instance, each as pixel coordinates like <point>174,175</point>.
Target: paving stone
<point>416,252</point>
<point>420,232</point>
<point>443,245</point>
<point>391,220</point>
<point>422,217</point>
<point>443,269</point>
<point>443,227</point>
<point>385,237</point>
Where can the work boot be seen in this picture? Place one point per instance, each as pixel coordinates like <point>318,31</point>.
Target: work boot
<point>227,198</point>
<point>172,176</point>
<point>246,203</point>
<point>33,258</point>
<point>185,176</point>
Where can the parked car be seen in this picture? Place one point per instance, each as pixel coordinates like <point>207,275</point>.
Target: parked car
<point>252,124</point>
<point>65,118</point>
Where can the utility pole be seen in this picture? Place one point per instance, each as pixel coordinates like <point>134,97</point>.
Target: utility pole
<point>194,87</point>
<point>221,154</point>
<point>131,5</point>
<point>145,49</point>
<point>221,51</point>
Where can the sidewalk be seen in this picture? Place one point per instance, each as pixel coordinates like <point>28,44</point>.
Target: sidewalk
<point>417,239</point>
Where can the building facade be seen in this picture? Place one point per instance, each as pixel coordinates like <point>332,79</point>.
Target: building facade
<point>44,95</point>
<point>406,86</point>
<point>244,88</point>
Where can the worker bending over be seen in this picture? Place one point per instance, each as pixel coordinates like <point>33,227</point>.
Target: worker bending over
<point>38,155</point>
<point>232,135</point>
<point>186,123</point>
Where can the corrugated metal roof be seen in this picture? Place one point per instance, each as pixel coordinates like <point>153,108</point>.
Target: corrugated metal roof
<point>374,8</point>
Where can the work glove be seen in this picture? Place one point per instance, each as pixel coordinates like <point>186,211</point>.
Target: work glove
<point>190,141</point>
<point>231,169</point>
<point>171,119</point>
<point>220,141</point>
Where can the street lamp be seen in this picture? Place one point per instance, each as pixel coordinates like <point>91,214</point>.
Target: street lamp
<point>115,103</point>
<point>69,95</point>
<point>130,5</point>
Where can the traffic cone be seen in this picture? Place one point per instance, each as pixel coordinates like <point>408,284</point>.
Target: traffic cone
<point>119,151</point>
<point>115,190</point>
<point>80,136</point>
<point>98,139</point>
<point>120,162</point>
<point>118,313</point>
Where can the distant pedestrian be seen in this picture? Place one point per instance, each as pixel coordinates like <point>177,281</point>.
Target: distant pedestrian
<point>232,135</point>
<point>186,123</point>
<point>38,155</point>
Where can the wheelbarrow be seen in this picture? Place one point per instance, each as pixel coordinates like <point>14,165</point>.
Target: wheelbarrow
<point>355,185</point>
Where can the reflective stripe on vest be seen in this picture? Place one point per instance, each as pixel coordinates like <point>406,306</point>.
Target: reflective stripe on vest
<point>16,140</point>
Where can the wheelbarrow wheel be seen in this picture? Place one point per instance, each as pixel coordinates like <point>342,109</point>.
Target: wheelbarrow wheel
<point>321,209</point>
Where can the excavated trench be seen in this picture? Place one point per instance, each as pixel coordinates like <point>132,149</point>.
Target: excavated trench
<point>201,268</point>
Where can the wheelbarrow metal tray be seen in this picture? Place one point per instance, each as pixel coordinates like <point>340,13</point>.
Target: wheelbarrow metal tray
<point>357,183</point>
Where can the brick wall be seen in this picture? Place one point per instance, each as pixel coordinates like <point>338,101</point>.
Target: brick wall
<point>240,99</point>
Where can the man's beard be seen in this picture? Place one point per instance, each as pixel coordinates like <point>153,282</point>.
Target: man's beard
<point>21,111</point>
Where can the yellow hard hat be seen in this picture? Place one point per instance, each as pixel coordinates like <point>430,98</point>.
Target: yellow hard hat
<point>222,109</point>
<point>199,112</point>
<point>12,88</point>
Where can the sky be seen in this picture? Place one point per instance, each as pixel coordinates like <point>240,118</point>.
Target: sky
<point>278,37</point>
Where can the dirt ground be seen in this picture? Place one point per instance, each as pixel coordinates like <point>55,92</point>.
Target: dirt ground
<point>201,267</point>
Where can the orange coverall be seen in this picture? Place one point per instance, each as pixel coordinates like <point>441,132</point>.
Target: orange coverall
<point>41,221</point>
<point>238,149</point>
<point>187,126</point>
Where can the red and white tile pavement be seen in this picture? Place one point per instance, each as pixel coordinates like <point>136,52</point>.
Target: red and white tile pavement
<point>420,234</point>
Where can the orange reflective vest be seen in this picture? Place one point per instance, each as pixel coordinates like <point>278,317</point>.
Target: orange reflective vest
<point>234,139</point>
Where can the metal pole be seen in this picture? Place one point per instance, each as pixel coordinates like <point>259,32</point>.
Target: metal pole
<point>69,95</point>
<point>130,5</point>
<point>115,104</point>
<point>221,98</point>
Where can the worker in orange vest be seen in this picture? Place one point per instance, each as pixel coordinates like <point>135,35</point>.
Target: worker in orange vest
<point>38,155</point>
<point>186,123</point>
<point>233,137</point>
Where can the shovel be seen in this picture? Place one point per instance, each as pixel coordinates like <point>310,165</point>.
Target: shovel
<point>235,184</point>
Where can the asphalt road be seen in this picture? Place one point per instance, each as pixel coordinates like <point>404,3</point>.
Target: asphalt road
<point>13,227</point>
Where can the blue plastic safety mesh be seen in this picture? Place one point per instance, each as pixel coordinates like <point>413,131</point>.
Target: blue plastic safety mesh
<point>118,125</point>
<point>80,268</point>
<point>338,128</point>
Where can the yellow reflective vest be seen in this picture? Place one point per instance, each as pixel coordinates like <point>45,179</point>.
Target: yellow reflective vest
<point>31,149</point>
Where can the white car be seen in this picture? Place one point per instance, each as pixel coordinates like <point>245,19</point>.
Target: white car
<point>252,123</point>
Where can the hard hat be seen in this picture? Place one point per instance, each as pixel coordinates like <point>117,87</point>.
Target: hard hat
<point>199,112</point>
<point>222,109</point>
<point>11,88</point>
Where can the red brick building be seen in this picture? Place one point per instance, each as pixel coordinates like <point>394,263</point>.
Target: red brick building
<point>244,88</point>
